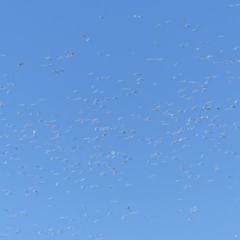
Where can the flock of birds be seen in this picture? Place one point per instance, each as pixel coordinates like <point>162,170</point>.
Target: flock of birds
<point>108,156</point>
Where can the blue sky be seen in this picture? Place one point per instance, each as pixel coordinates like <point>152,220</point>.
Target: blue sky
<point>119,120</point>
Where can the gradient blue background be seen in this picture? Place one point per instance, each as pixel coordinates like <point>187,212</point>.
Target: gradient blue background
<point>119,120</point>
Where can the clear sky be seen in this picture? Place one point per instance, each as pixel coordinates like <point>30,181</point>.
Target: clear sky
<point>119,119</point>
